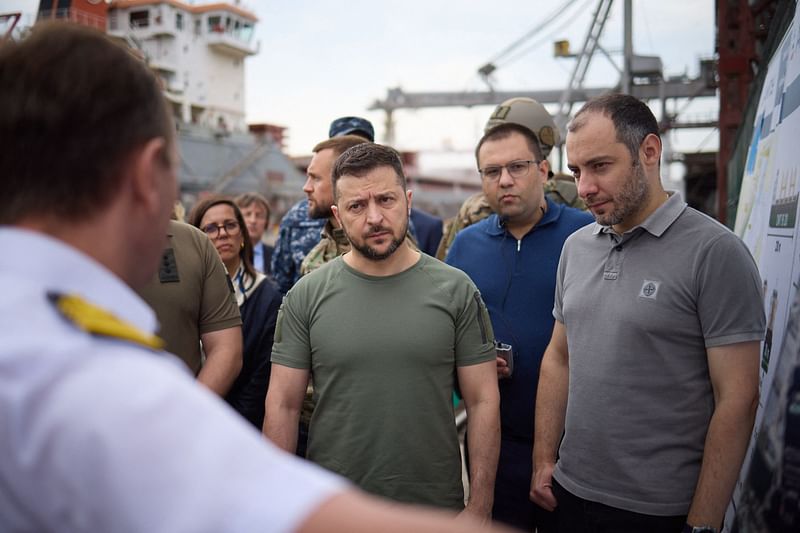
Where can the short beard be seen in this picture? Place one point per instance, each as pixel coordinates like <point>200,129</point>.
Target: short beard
<point>630,199</point>
<point>371,253</point>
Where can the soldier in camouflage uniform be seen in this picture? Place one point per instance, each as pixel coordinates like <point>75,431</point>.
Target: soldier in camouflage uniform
<point>297,235</point>
<point>332,244</point>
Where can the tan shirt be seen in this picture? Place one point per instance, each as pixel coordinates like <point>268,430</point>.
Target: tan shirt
<point>191,293</point>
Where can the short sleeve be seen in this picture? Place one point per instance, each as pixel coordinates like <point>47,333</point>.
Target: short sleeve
<point>164,473</point>
<point>218,309</point>
<point>728,286</point>
<point>474,335</point>
<point>292,346</point>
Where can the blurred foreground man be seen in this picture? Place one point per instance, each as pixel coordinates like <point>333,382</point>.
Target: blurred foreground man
<point>522,240</point>
<point>387,332</point>
<point>99,429</point>
<point>652,370</point>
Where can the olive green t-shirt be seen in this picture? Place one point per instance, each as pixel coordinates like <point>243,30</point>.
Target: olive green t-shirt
<point>383,353</point>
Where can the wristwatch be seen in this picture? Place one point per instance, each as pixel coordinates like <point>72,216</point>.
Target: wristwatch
<point>688,528</point>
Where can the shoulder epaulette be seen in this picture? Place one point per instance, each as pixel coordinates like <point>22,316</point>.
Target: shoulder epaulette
<point>98,321</point>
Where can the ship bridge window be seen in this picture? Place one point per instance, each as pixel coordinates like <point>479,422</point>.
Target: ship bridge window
<point>245,33</point>
<point>140,19</point>
<point>215,24</point>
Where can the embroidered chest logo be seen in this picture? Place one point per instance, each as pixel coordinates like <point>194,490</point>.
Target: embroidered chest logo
<point>649,289</point>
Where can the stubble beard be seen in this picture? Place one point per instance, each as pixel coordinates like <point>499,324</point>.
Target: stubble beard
<point>630,199</point>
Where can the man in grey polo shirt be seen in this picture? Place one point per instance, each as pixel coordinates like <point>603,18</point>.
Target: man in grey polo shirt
<point>652,370</point>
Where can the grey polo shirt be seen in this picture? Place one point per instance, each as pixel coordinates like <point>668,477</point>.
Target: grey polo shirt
<point>640,309</point>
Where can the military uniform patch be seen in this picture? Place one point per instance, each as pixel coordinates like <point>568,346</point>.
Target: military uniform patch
<point>500,113</point>
<point>547,136</point>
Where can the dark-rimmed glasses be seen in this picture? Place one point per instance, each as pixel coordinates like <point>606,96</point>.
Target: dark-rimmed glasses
<point>516,169</point>
<point>231,227</point>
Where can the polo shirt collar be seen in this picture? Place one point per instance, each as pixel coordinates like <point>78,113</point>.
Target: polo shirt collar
<point>659,220</point>
<point>553,214</point>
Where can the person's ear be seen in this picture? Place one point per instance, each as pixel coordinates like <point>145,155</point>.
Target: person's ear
<point>335,211</point>
<point>147,168</point>
<point>650,150</point>
<point>544,169</point>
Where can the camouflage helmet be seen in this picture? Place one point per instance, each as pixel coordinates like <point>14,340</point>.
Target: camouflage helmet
<point>530,114</point>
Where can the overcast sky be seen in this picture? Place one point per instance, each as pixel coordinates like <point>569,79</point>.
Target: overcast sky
<point>323,59</point>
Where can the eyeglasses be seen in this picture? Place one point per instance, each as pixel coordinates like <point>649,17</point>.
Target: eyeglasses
<point>516,169</point>
<point>231,227</point>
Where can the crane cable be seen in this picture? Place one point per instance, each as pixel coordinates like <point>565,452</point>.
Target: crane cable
<point>546,38</point>
<point>559,11</point>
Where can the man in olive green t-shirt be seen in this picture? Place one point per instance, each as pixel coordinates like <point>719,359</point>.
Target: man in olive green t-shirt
<point>387,332</point>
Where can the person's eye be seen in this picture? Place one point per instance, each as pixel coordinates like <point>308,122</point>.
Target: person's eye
<point>492,172</point>
<point>517,167</point>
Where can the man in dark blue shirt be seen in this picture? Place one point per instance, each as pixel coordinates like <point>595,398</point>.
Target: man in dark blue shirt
<point>512,257</point>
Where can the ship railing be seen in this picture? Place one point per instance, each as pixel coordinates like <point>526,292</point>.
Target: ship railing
<point>74,15</point>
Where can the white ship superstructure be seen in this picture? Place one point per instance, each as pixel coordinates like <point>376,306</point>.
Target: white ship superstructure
<point>199,52</point>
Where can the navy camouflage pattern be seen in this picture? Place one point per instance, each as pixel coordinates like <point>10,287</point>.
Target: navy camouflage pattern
<point>297,235</point>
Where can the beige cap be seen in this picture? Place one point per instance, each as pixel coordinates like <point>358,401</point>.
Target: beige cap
<point>530,114</point>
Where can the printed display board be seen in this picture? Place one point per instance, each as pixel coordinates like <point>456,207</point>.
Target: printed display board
<point>767,497</point>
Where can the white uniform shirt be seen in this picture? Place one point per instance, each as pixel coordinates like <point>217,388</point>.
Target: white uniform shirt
<point>101,435</point>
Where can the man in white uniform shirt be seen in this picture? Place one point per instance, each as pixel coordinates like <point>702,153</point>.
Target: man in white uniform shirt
<point>100,431</point>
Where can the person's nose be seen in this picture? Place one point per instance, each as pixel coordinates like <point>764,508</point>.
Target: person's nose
<point>374,214</point>
<point>586,185</point>
<point>505,179</point>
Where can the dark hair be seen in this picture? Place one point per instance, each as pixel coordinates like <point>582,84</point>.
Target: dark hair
<point>246,253</point>
<point>362,158</point>
<point>633,120</point>
<point>340,144</point>
<point>504,131</point>
<point>249,198</point>
<point>74,106</point>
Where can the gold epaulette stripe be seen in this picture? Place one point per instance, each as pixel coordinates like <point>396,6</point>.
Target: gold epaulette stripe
<point>98,321</point>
